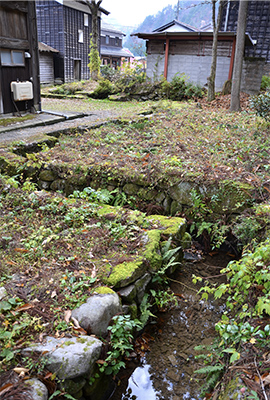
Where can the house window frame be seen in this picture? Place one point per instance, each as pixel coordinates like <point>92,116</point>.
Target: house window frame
<point>12,63</point>
<point>107,39</point>
<point>85,19</point>
<point>80,35</point>
<point>117,41</point>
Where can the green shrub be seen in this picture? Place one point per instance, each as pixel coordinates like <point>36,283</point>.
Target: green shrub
<point>177,87</point>
<point>104,89</point>
<point>261,104</point>
<point>68,88</point>
<point>265,82</point>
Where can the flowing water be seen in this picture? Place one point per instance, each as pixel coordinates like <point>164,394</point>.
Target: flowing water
<point>167,370</point>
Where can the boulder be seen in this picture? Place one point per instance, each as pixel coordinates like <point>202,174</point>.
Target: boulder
<point>95,315</point>
<point>68,358</point>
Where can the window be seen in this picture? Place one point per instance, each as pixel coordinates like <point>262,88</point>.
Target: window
<point>12,57</point>
<point>117,41</point>
<point>80,32</point>
<point>107,40</point>
<point>85,16</point>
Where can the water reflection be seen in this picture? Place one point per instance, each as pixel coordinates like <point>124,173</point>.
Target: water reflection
<point>140,385</point>
<point>167,371</point>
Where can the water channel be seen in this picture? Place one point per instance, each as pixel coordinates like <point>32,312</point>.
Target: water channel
<point>167,370</point>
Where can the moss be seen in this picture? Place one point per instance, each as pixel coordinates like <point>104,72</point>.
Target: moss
<point>125,273</point>
<point>103,290</point>
<point>232,390</point>
<point>10,163</point>
<point>133,310</point>
<point>171,226</point>
<point>81,340</point>
<point>68,343</point>
<point>104,210</point>
<point>186,241</point>
<point>15,120</point>
<point>152,249</point>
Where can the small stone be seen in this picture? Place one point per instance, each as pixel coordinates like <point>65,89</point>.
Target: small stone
<point>172,360</point>
<point>3,293</point>
<point>39,390</point>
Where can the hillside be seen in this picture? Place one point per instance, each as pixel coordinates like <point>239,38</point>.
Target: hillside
<point>196,13</point>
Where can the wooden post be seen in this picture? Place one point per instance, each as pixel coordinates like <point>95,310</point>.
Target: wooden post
<point>232,59</point>
<point>166,58</point>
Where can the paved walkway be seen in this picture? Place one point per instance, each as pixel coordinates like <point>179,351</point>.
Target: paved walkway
<point>49,122</point>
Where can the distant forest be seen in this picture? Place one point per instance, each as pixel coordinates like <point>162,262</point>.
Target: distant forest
<point>194,13</point>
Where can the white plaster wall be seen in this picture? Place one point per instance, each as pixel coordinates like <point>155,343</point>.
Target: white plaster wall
<point>196,68</point>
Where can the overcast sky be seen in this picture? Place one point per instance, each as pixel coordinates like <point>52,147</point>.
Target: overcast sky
<point>132,12</point>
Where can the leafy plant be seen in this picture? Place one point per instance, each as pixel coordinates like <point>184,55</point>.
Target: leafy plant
<point>261,104</point>
<point>164,299</point>
<point>169,260</point>
<point>121,338</point>
<point>16,324</point>
<point>265,84</point>
<point>75,289</point>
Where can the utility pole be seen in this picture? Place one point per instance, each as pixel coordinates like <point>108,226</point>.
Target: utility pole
<point>177,10</point>
<point>239,55</point>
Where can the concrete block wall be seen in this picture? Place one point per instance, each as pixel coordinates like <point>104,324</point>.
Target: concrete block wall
<point>197,69</point>
<point>253,70</point>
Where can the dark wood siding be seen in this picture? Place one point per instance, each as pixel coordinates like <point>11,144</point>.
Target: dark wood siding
<point>50,19</point>
<point>18,30</point>
<point>74,21</point>
<point>258,26</point>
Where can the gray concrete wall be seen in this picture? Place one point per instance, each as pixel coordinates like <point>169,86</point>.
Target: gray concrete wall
<point>253,70</point>
<point>196,68</point>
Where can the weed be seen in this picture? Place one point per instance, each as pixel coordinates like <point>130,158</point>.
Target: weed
<point>164,299</point>
<point>121,339</point>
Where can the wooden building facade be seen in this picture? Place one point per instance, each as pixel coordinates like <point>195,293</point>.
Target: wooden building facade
<point>258,26</point>
<point>46,63</point>
<point>66,26</point>
<point>19,60</point>
<point>111,46</point>
<point>177,49</point>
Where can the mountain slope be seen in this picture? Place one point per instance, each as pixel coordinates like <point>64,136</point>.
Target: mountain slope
<point>194,13</point>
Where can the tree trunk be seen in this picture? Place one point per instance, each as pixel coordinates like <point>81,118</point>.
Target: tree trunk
<point>211,79</point>
<point>94,63</point>
<point>239,55</point>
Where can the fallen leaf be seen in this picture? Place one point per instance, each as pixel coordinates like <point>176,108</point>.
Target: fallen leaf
<point>80,330</point>
<point>24,307</point>
<point>266,379</point>
<point>20,370</point>
<point>67,316</point>
<point>5,388</point>
<point>20,250</point>
<point>53,294</point>
<point>76,323</point>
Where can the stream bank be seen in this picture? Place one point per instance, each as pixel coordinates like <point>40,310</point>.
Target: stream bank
<point>167,369</point>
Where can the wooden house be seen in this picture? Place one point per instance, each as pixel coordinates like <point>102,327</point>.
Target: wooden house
<point>258,27</point>
<point>171,51</point>
<point>66,26</point>
<point>111,46</point>
<point>46,64</point>
<point>19,61</point>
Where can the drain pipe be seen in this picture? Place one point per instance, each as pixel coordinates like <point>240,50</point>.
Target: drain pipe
<point>227,16</point>
<point>56,113</point>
